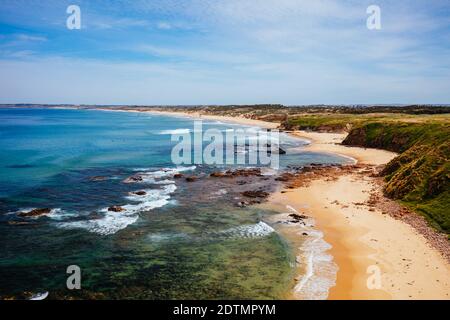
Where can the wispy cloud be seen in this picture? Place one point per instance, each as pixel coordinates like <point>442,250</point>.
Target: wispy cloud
<point>164,25</point>
<point>27,37</point>
<point>235,51</point>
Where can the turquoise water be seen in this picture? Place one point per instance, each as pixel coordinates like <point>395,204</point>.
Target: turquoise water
<point>180,240</point>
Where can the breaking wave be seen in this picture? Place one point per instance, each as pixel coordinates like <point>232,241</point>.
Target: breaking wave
<point>320,269</point>
<point>261,229</point>
<point>174,131</point>
<point>112,222</point>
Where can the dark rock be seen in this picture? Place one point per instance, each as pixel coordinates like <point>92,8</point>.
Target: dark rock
<point>139,193</point>
<point>218,174</point>
<point>178,175</point>
<point>191,179</point>
<point>133,179</point>
<point>255,194</point>
<point>285,177</point>
<point>297,217</point>
<point>35,213</point>
<point>245,172</point>
<point>116,209</point>
<point>237,173</point>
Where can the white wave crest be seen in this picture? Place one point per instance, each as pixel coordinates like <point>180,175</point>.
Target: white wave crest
<point>174,131</point>
<point>112,222</point>
<point>164,172</point>
<point>261,229</point>
<point>321,270</point>
<point>39,296</point>
<point>56,213</point>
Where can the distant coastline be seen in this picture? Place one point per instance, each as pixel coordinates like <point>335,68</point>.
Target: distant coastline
<point>363,227</point>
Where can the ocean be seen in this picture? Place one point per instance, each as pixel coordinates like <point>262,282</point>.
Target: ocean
<point>174,240</point>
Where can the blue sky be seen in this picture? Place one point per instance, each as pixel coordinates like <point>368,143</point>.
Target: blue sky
<point>225,52</point>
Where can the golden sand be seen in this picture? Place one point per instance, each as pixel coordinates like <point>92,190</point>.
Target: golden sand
<point>360,237</point>
<point>363,238</point>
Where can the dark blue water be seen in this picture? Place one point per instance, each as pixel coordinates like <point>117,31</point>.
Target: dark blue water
<point>179,240</point>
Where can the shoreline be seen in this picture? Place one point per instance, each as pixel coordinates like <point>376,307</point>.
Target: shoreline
<point>235,120</point>
<point>360,236</point>
<point>363,237</point>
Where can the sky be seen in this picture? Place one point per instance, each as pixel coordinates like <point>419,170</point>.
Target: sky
<point>174,52</point>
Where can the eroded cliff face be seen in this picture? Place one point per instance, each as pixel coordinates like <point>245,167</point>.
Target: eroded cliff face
<point>392,137</point>
<point>420,175</point>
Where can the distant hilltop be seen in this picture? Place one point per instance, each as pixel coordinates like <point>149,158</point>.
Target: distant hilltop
<point>259,109</point>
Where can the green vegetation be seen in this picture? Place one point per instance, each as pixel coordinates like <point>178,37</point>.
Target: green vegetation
<point>332,122</point>
<point>420,176</point>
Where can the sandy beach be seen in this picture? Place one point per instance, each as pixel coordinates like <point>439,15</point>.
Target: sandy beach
<point>237,120</point>
<point>364,239</point>
<point>330,143</point>
<point>361,238</point>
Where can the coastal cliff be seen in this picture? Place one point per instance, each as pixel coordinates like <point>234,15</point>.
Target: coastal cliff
<point>420,176</point>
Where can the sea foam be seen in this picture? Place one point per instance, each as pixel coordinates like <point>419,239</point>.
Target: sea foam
<point>258,230</point>
<point>112,222</point>
<point>320,269</point>
<point>174,131</point>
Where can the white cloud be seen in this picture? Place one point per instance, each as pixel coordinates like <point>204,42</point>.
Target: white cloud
<point>103,22</point>
<point>26,38</point>
<point>250,51</point>
<point>164,26</point>
<point>61,80</point>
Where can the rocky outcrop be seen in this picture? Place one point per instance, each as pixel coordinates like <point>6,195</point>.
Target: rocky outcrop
<point>35,213</point>
<point>420,175</point>
<point>237,173</point>
<point>219,174</point>
<point>285,177</point>
<point>116,209</point>
<point>191,179</point>
<point>297,217</point>
<point>133,179</point>
<point>139,193</point>
<point>255,194</point>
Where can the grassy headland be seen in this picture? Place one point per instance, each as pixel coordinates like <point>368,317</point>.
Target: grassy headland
<point>420,176</point>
